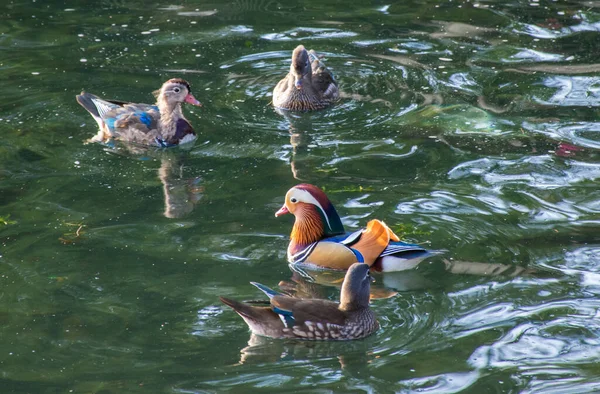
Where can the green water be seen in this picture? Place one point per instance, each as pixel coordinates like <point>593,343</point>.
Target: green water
<point>467,126</point>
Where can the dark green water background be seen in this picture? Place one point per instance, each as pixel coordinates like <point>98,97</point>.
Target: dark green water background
<point>466,126</point>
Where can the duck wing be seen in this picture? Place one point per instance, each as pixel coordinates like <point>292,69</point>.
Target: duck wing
<point>308,310</point>
<point>322,79</point>
<point>118,116</point>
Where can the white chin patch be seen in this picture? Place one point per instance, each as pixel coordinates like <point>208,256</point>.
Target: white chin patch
<point>187,139</point>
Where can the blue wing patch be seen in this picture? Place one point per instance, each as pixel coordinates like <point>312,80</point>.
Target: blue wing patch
<point>110,123</point>
<point>287,317</point>
<point>144,118</point>
<point>267,290</point>
<point>345,239</point>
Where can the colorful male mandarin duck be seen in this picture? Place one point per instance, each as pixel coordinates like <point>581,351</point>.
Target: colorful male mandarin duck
<point>289,317</point>
<point>318,237</point>
<point>308,86</point>
<point>162,124</point>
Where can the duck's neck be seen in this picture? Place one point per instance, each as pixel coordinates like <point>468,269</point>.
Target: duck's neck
<point>169,115</point>
<point>308,228</point>
<point>352,298</point>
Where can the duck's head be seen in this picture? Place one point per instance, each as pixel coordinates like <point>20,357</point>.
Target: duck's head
<point>300,65</point>
<point>175,91</point>
<point>316,216</point>
<point>356,287</point>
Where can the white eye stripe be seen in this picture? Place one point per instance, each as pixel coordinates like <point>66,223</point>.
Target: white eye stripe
<point>305,196</point>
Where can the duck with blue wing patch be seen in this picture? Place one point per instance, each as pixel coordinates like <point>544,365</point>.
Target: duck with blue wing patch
<point>311,319</point>
<point>162,124</point>
<point>318,237</point>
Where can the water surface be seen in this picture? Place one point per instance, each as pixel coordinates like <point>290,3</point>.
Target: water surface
<point>467,126</point>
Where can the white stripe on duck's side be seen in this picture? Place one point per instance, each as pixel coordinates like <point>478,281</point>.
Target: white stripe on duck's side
<point>303,254</point>
<point>352,238</point>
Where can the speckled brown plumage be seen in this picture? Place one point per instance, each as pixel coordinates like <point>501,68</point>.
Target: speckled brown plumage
<point>311,319</point>
<point>308,86</point>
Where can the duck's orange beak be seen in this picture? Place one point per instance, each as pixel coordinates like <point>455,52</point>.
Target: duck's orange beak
<point>190,99</point>
<point>282,211</point>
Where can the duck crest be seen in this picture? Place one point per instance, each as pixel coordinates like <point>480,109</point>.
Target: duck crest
<point>181,81</point>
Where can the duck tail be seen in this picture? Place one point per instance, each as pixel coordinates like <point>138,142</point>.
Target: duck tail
<point>242,309</point>
<point>314,57</point>
<point>98,107</point>
<point>373,241</point>
<point>86,100</point>
<point>257,317</point>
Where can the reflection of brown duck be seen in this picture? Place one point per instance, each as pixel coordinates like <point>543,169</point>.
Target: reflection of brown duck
<point>300,126</point>
<point>308,86</point>
<point>353,357</point>
<point>181,194</point>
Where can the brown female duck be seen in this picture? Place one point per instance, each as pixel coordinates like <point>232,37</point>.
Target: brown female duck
<point>308,86</point>
<point>313,319</point>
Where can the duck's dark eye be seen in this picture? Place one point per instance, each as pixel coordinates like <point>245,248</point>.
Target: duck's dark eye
<point>176,90</point>
<point>293,200</point>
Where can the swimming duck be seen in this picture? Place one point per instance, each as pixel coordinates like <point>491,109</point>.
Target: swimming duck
<point>162,124</point>
<point>308,86</point>
<point>313,319</point>
<point>318,237</point>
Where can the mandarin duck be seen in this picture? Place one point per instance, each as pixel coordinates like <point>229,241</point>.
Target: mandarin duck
<point>313,319</point>
<point>308,86</point>
<point>318,237</point>
<point>161,124</point>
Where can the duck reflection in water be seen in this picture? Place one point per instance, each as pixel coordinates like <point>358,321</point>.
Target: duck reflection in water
<point>300,127</point>
<point>146,130</point>
<point>308,282</point>
<point>353,357</point>
<point>181,194</point>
